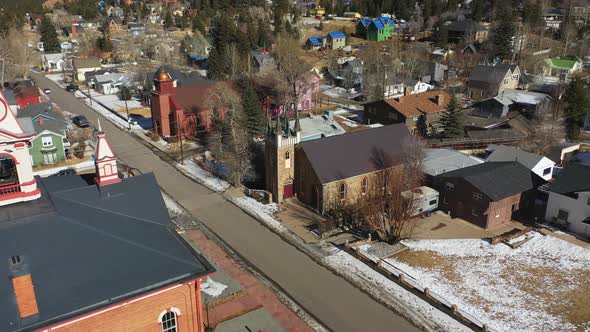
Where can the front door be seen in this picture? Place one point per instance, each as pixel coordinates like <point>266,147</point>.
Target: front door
<point>288,191</point>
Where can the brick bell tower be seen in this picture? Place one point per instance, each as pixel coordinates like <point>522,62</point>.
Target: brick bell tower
<point>163,108</point>
<point>280,157</point>
<point>17,183</point>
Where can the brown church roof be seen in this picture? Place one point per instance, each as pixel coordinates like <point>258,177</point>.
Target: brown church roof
<point>425,102</point>
<point>26,91</point>
<point>197,98</point>
<point>343,156</point>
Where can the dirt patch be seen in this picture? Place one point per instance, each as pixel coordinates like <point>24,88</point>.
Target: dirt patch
<point>432,261</point>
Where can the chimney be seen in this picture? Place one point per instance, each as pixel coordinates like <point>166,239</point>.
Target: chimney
<point>74,31</point>
<point>105,161</point>
<point>22,283</point>
<point>41,120</point>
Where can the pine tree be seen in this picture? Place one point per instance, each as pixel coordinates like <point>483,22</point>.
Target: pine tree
<point>451,120</point>
<point>504,32</point>
<point>440,38</point>
<point>49,36</point>
<point>533,14</point>
<point>199,24</point>
<point>422,126</point>
<point>578,107</point>
<point>168,21</point>
<point>477,10</point>
<point>252,110</point>
<point>221,35</point>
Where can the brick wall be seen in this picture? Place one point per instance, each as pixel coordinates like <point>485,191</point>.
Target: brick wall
<point>143,314</point>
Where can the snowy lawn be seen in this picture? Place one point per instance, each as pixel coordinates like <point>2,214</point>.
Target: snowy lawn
<point>543,285</point>
<point>390,292</point>
<point>116,120</point>
<point>194,171</point>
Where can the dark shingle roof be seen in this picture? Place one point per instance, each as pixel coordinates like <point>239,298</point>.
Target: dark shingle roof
<point>508,153</point>
<point>88,249</point>
<point>465,26</point>
<point>574,178</point>
<point>489,74</point>
<point>182,78</point>
<point>339,157</point>
<point>52,121</point>
<point>497,180</point>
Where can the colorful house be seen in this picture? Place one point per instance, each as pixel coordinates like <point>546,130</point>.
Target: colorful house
<point>336,40</point>
<point>49,145</point>
<point>567,65</point>
<point>273,98</point>
<point>319,10</point>
<point>380,29</point>
<point>315,43</point>
<point>361,27</point>
<point>27,95</point>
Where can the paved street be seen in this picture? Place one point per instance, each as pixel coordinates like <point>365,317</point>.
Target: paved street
<point>334,301</point>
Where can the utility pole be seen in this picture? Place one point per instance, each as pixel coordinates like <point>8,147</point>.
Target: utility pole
<point>3,60</point>
<point>127,109</point>
<point>179,132</point>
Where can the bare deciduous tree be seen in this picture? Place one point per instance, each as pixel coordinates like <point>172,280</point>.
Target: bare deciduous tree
<point>229,136</point>
<point>292,67</point>
<point>545,133</point>
<point>390,199</point>
<point>16,54</point>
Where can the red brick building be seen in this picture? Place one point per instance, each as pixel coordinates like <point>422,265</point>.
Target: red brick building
<point>27,95</point>
<point>187,105</point>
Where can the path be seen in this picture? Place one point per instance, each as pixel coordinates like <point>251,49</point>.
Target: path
<point>333,301</point>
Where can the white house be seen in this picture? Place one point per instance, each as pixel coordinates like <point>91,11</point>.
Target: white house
<point>416,86</point>
<point>569,199</point>
<point>54,61</point>
<point>540,165</point>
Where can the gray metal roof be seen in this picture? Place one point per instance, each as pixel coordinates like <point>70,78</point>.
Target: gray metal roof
<point>88,249</point>
<point>439,161</point>
<point>51,120</point>
<point>513,96</point>
<point>497,180</point>
<point>508,153</point>
<point>318,126</point>
<point>343,156</point>
<point>575,177</point>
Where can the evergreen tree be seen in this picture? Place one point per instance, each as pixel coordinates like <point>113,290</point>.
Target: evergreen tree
<point>49,36</point>
<point>252,110</point>
<point>221,34</point>
<point>168,21</point>
<point>263,35</point>
<point>578,107</point>
<point>451,120</point>
<point>533,14</point>
<point>422,126</point>
<point>478,10</point>
<point>440,38</point>
<point>504,32</point>
<point>199,24</point>
<point>427,8</point>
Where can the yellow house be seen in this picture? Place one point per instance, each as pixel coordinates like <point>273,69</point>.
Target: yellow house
<point>318,10</point>
<point>352,15</point>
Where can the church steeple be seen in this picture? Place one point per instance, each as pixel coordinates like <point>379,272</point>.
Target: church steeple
<point>105,161</point>
<point>287,129</point>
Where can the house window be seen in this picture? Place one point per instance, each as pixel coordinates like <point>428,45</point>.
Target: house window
<point>169,322</point>
<point>588,201</point>
<point>47,141</point>
<point>342,191</point>
<point>514,207</point>
<point>287,155</point>
<point>474,212</point>
<point>450,186</point>
<point>432,202</point>
<point>366,186</point>
<point>563,215</point>
<point>477,195</point>
<point>546,171</point>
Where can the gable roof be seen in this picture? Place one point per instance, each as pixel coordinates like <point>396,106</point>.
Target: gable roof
<point>315,40</point>
<point>466,25</point>
<point>43,118</point>
<point>490,74</point>
<point>575,177</point>
<point>336,34</point>
<point>26,92</point>
<point>439,161</point>
<point>497,180</point>
<point>511,96</point>
<point>343,156</point>
<point>181,78</point>
<point>88,248</point>
<point>509,153</point>
<point>195,98</point>
<point>419,103</point>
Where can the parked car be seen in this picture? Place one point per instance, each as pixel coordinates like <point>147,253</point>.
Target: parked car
<point>81,121</point>
<point>65,172</point>
<point>47,91</point>
<point>71,88</point>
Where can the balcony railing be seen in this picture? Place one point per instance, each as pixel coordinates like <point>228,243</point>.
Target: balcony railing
<point>11,189</point>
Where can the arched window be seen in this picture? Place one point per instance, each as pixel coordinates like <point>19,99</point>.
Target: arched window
<point>365,186</point>
<point>343,191</point>
<point>169,323</point>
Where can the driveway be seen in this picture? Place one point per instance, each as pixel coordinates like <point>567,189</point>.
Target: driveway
<point>333,301</point>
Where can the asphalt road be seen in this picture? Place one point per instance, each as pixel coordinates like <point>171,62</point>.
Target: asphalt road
<point>335,302</point>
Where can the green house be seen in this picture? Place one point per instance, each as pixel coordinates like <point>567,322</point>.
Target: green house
<point>566,65</point>
<point>361,27</point>
<point>49,145</point>
<point>380,29</point>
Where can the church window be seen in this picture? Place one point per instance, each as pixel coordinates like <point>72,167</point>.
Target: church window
<point>288,155</point>
<point>342,191</point>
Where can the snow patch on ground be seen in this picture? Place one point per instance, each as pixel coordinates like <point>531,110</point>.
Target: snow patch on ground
<point>171,204</point>
<point>195,172</point>
<point>112,117</point>
<point>57,79</point>
<point>212,287</point>
<point>263,212</point>
<point>390,292</point>
<point>486,280</point>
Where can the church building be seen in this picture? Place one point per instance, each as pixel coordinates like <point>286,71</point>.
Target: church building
<point>327,171</point>
<point>86,254</point>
